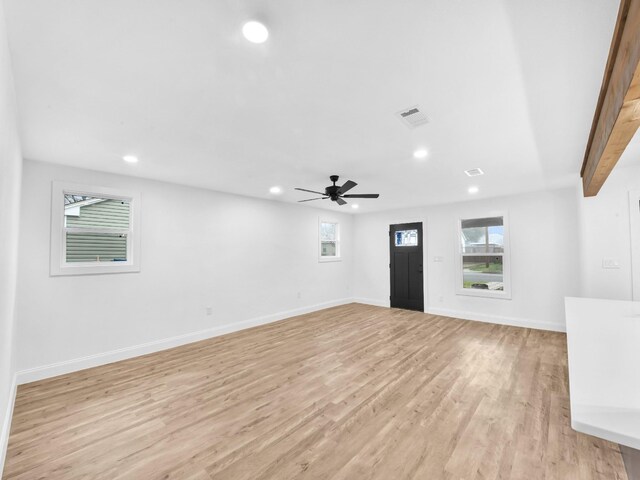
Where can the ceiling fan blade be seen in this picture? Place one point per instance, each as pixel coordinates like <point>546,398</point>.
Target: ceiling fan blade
<point>310,191</point>
<point>340,201</point>
<point>309,199</point>
<point>363,195</point>
<point>348,185</point>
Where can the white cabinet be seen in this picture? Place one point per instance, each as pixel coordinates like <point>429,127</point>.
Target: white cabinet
<point>603,340</point>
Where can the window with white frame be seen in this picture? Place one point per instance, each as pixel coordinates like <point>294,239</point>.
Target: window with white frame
<point>93,230</point>
<point>329,240</point>
<point>483,267</point>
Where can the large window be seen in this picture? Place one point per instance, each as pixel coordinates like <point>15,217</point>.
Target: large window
<point>93,230</point>
<point>483,269</point>
<point>329,241</point>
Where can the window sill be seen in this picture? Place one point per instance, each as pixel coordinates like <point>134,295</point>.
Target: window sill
<point>92,269</point>
<point>470,292</point>
<point>329,259</point>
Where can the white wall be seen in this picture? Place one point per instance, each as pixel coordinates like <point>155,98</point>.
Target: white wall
<point>245,257</point>
<point>544,258</point>
<point>605,233</point>
<point>249,258</point>
<point>10,171</point>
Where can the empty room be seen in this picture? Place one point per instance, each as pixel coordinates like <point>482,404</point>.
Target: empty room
<point>254,240</point>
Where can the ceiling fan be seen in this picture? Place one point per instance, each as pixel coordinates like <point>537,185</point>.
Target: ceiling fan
<point>337,193</point>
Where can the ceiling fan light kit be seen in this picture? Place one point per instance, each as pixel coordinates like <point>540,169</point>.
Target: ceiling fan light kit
<point>337,193</point>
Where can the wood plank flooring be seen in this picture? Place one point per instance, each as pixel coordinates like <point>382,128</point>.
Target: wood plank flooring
<point>350,392</point>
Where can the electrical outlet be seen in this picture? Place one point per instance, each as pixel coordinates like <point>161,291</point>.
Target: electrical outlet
<point>438,259</point>
<point>441,298</point>
<point>209,310</point>
<point>299,295</point>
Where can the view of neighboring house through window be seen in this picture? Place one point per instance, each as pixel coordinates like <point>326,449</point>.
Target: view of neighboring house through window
<point>329,240</point>
<point>95,229</point>
<point>483,250</point>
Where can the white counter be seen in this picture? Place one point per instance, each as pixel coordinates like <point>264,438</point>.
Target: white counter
<point>603,340</point>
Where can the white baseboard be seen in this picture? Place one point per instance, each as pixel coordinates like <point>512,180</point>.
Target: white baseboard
<point>373,301</point>
<point>486,318</point>
<point>478,317</point>
<point>73,365</point>
<point>6,423</point>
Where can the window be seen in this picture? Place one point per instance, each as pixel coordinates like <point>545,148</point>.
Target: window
<point>406,238</point>
<point>93,230</point>
<point>329,241</point>
<point>483,266</point>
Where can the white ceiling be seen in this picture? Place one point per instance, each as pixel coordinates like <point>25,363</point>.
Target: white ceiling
<point>509,86</point>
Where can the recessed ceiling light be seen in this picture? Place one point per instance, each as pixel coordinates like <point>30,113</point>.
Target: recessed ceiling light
<point>355,205</point>
<point>255,32</point>
<point>130,159</point>
<point>473,190</point>
<point>420,154</point>
<point>275,190</point>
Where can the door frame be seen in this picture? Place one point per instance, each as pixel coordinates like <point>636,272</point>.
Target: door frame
<point>634,227</point>
<point>425,258</point>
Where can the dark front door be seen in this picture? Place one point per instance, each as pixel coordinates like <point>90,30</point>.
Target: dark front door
<point>405,263</point>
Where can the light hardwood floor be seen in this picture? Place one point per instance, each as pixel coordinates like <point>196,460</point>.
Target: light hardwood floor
<point>346,393</point>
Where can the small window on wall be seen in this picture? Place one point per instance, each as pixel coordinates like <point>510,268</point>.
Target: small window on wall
<point>93,230</point>
<point>329,241</point>
<point>406,238</point>
<point>483,267</point>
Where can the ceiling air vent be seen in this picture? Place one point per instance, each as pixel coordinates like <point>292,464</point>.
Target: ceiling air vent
<point>412,117</point>
<point>474,172</point>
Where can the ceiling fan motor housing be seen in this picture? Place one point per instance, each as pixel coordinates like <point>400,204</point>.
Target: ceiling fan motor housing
<point>332,191</point>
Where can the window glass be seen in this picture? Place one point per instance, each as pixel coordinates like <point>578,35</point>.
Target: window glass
<point>328,249</point>
<point>483,272</point>
<point>96,247</point>
<point>96,229</point>
<point>482,242</point>
<point>483,235</point>
<point>406,238</point>
<point>328,231</point>
<point>329,240</point>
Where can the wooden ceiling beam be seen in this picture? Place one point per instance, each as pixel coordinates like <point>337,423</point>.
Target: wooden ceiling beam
<point>617,115</point>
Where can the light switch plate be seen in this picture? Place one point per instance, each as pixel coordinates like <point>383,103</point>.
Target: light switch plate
<point>610,263</point>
